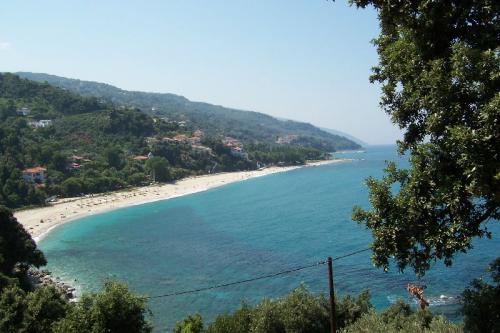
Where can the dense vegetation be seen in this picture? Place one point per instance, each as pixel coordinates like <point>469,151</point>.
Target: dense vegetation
<point>90,145</point>
<point>303,312</point>
<point>440,74</point>
<point>45,310</point>
<point>17,251</point>
<point>213,120</point>
<point>482,302</point>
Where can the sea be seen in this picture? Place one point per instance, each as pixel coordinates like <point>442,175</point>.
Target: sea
<point>250,229</point>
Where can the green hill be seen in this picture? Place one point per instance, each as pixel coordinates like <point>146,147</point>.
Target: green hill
<point>248,126</point>
<point>56,142</point>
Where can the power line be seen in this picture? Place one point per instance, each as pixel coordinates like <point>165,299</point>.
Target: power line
<point>288,271</point>
<point>351,254</point>
<point>268,276</point>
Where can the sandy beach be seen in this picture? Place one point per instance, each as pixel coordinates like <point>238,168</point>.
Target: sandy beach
<point>39,221</point>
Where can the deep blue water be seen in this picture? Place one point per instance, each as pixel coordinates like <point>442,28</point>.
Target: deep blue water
<point>248,229</point>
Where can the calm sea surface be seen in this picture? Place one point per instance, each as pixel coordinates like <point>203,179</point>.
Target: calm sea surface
<point>248,229</point>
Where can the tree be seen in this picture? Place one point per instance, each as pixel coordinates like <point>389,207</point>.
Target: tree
<point>481,301</point>
<point>113,156</point>
<point>17,248</point>
<point>400,317</point>
<point>158,166</point>
<point>12,309</point>
<point>439,67</point>
<point>45,310</point>
<point>300,311</point>
<point>238,322</point>
<point>59,162</point>
<point>192,324</point>
<point>115,309</point>
<point>41,309</point>
<point>71,187</point>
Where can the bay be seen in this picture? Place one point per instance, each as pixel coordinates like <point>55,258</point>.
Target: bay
<point>245,230</point>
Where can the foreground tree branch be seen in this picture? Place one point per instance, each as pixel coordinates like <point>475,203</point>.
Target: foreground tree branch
<point>439,67</point>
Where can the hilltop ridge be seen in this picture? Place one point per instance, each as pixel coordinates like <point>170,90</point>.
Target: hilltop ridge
<point>214,120</point>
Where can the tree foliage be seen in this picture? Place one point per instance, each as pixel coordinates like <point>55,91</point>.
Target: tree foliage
<point>481,303</point>
<point>191,324</point>
<point>31,312</point>
<point>44,310</point>
<point>158,166</point>
<point>401,318</point>
<point>299,312</point>
<point>12,309</point>
<point>439,67</point>
<point>302,311</point>
<point>17,248</point>
<point>115,309</point>
<point>113,156</point>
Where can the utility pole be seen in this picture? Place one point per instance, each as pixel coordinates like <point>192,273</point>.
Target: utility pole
<point>333,319</point>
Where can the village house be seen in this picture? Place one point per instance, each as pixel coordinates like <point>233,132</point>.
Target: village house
<point>150,140</point>
<point>236,147</point>
<point>24,111</point>
<point>202,148</point>
<point>239,152</point>
<point>231,142</point>
<point>198,133</point>
<point>76,162</point>
<point>167,139</point>
<point>287,139</point>
<point>34,175</point>
<point>182,138</point>
<point>78,159</point>
<point>194,140</point>
<point>143,157</point>
<point>74,166</point>
<point>40,123</point>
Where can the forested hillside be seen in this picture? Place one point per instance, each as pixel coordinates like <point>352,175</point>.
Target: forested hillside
<point>214,120</point>
<point>55,142</point>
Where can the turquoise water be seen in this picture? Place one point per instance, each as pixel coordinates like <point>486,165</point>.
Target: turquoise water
<point>243,230</point>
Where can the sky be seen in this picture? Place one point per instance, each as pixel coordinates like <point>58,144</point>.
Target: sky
<point>306,60</point>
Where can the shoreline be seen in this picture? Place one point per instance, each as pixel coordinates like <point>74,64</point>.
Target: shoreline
<point>39,222</point>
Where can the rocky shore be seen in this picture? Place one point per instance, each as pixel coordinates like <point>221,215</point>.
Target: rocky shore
<point>44,278</point>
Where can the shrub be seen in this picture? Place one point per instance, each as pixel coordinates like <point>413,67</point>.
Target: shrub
<point>482,303</point>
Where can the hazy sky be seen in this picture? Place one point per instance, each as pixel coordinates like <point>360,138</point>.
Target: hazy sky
<point>307,60</point>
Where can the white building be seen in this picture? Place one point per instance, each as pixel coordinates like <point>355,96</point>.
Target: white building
<point>40,123</point>
<point>24,111</point>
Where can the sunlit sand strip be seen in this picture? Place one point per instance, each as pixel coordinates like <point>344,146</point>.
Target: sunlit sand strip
<point>40,221</point>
